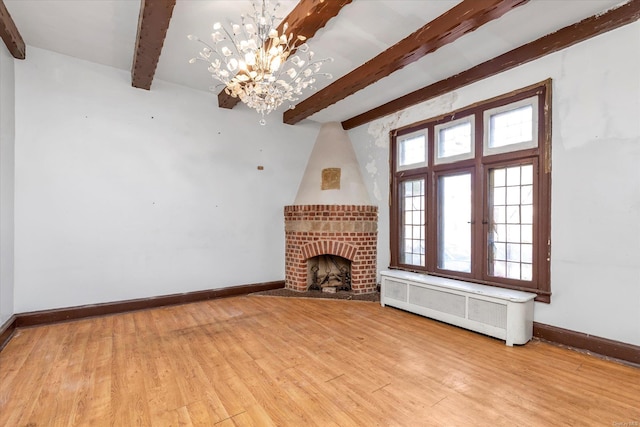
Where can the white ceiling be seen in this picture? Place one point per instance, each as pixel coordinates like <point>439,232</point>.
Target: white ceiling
<point>104,31</point>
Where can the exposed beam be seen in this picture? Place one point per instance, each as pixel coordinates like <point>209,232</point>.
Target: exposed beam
<point>10,34</point>
<point>561,39</point>
<point>465,17</point>
<point>153,23</point>
<point>305,20</point>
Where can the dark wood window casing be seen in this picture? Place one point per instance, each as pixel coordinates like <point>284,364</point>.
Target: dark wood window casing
<point>480,165</point>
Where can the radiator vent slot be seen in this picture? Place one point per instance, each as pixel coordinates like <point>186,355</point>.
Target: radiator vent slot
<point>488,312</point>
<point>444,302</point>
<point>396,290</point>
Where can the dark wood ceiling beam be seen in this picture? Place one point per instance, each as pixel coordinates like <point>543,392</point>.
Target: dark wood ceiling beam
<point>153,23</point>
<point>465,17</point>
<point>561,39</point>
<point>10,34</point>
<point>304,20</point>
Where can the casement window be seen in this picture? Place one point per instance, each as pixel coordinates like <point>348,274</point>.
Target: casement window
<point>471,191</point>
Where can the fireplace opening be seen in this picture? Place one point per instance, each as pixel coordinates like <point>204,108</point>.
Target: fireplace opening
<point>328,273</point>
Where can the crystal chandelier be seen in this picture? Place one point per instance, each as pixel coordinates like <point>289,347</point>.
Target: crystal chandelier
<point>256,64</point>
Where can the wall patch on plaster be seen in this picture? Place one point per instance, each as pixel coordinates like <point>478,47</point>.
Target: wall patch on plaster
<point>330,179</point>
<point>372,169</point>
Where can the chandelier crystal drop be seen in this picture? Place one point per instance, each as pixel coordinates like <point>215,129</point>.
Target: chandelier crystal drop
<point>256,64</point>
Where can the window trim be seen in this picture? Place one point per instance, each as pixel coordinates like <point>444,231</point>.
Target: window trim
<point>480,166</point>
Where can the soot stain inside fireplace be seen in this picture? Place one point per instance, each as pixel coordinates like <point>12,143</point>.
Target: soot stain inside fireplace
<point>328,273</point>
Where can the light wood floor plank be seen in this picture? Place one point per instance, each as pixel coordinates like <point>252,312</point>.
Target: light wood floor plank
<point>270,361</point>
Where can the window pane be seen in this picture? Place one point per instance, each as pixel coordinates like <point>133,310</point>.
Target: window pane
<point>513,270</point>
<point>500,269</point>
<point>513,195</point>
<point>513,214</point>
<point>408,217</point>
<point>500,233</point>
<point>526,195</point>
<point>526,234</point>
<point>527,253</point>
<point>418,187</point>
<point>500,196</point>
<point>412,150</point>
<point>499,177</point>
<point>413,240</point>
<point>454,223</point>
<point>527,174</point>
<point>513,176</point>
<point>454,140</point>
<point>511,231</point>
<point>513,252</point>
<point>511,127</point>
<point>527,214</point>
<point>408,245</point>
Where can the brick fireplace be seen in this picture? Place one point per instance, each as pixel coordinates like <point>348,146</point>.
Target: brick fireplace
<point>332,225</point>
<point>348,231</point>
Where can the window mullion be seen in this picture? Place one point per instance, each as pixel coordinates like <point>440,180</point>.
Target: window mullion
<point>431,223</point>
<point>431,212</point>
<point>479,218</point>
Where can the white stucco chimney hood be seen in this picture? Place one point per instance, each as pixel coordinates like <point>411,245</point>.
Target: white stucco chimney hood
<point>332,176</point>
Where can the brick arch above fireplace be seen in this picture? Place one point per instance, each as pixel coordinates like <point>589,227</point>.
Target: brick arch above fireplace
<point>329,247</point>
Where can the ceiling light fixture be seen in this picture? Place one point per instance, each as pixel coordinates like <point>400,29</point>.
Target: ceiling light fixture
<point>256,64</point>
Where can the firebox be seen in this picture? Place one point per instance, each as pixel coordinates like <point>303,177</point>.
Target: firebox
<point>328,273</point>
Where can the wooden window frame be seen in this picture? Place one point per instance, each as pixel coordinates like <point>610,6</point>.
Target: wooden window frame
<point>480,166</point>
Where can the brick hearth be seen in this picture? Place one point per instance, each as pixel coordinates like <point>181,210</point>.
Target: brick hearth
<point>349,231</point>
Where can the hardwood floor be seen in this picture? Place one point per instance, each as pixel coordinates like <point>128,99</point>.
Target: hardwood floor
<point>264,361</point>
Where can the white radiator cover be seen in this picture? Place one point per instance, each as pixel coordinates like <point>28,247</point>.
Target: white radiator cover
<point>501,313</point>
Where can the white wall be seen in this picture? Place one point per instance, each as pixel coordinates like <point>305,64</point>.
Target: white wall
<point>7,143</point>
<point>595,265</point>
<point>123,193</point>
